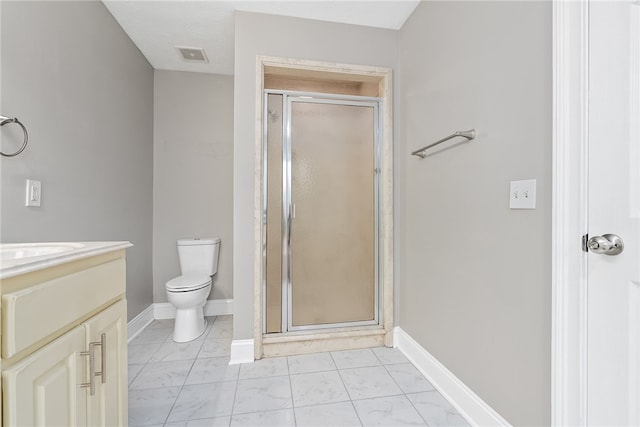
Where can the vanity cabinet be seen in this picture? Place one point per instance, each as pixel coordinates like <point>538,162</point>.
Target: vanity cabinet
<point>64,345</point>
<point>52,386</point>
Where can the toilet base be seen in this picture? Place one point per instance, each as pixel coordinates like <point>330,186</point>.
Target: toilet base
<point>189,325</point>
<point>190,322</point>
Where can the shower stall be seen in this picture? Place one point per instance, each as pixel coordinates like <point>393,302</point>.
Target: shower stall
<point>321,214</point>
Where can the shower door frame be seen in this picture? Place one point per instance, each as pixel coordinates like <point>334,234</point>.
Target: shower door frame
<point>288,98</point>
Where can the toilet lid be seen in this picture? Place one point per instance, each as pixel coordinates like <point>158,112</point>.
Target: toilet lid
<point>188,283</point>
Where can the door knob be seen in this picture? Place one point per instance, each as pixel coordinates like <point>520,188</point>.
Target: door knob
<point>607,244</point>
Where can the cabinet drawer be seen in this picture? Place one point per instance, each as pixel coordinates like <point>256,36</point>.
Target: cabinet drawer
<point>34,313</point>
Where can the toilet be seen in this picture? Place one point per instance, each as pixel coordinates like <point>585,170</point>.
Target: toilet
<point>188,293</point>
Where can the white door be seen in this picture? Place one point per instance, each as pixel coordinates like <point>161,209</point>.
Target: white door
<point>613,289</point>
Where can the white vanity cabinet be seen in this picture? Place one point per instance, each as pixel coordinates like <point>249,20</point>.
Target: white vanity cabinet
<point>64,344</point>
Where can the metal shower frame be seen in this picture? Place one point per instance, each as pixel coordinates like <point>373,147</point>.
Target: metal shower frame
<point>289,97</point>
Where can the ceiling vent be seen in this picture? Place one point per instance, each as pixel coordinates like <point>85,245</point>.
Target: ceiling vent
<point>192,54</point>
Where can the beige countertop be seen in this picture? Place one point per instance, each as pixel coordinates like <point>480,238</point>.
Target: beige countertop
<point>21,258</point>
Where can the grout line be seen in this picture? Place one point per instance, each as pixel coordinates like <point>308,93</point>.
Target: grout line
<point>235,395</point>
<point>289,378</point>
<point>356,411</point>
<point>207,329</point>
<point>405,394</point>
<point>343,384</point>
<point>235,391</point>
<point>293,404</point>
<point>179,392</point>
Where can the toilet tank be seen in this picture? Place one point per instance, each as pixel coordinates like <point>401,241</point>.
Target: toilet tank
<point>199,255</point>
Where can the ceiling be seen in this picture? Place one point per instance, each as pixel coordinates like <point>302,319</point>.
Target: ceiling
<point>157,27</point>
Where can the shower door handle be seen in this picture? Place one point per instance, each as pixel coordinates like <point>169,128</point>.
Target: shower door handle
<point>288,229</point>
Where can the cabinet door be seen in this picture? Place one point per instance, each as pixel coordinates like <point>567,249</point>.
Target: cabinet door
<point>108,406</point>
<point>45,389</point>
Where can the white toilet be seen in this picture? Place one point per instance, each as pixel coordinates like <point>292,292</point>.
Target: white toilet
<point>188,292</point>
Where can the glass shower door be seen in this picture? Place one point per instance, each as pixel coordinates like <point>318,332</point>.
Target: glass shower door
<point>330,213</point>
<point>320,211</point>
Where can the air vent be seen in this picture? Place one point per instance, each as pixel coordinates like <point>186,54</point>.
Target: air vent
<point>192,54</point>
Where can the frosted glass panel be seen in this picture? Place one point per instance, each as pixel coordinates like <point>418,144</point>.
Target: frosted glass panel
<point>333,232</point>
<point>274,213</point>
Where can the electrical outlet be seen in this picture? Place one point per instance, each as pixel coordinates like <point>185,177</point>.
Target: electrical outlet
<point>522,194</point>
<point>34,193</point>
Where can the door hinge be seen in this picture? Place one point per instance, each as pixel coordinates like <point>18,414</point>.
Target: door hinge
<point>585,239</point>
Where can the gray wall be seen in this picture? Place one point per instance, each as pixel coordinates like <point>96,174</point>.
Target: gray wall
<point>476,276</point>
<point>85,92</point>
<point>258,34</point>
<point>192,172</point>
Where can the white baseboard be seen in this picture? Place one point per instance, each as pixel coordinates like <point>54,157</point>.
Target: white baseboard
<point>138,323</point>
<point>218,307</point>
<point>213,307</point>
<point>241,352</point>
<point>469,405</point>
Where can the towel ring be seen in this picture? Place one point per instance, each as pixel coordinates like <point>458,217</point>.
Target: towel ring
<point>4,121</point>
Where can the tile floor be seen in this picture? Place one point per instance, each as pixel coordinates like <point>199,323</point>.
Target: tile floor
<point>192,384</point>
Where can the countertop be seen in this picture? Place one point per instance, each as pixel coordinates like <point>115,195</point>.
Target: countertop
<point>61,252</point>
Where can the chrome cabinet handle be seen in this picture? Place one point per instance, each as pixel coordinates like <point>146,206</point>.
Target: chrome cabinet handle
<point>103,355</point>
<point>92,369</point>
<point>92,363</point>
<point>607,244</point>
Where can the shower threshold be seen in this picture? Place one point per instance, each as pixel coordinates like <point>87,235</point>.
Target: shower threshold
<point>320,340</point>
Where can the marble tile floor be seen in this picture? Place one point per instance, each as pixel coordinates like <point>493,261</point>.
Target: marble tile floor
<point>191,384</point>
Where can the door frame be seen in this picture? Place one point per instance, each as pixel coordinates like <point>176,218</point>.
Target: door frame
<point>384,78</point>
<point>569,211</point>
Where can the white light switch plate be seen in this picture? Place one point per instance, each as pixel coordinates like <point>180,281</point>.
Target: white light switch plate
<point>34,193</point>
<point>522,194</point>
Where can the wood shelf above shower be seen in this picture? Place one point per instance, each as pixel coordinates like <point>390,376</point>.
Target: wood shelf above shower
<point>322,82</point>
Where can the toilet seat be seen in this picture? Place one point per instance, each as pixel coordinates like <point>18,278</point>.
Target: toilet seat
<point>188,283</point>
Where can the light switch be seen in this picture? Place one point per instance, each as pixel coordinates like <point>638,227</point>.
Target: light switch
<point>34,193</point>
<point>522,194</point>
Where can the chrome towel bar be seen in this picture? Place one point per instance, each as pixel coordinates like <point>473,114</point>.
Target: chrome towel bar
<point>3,121</point>
<point>469,134</point>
